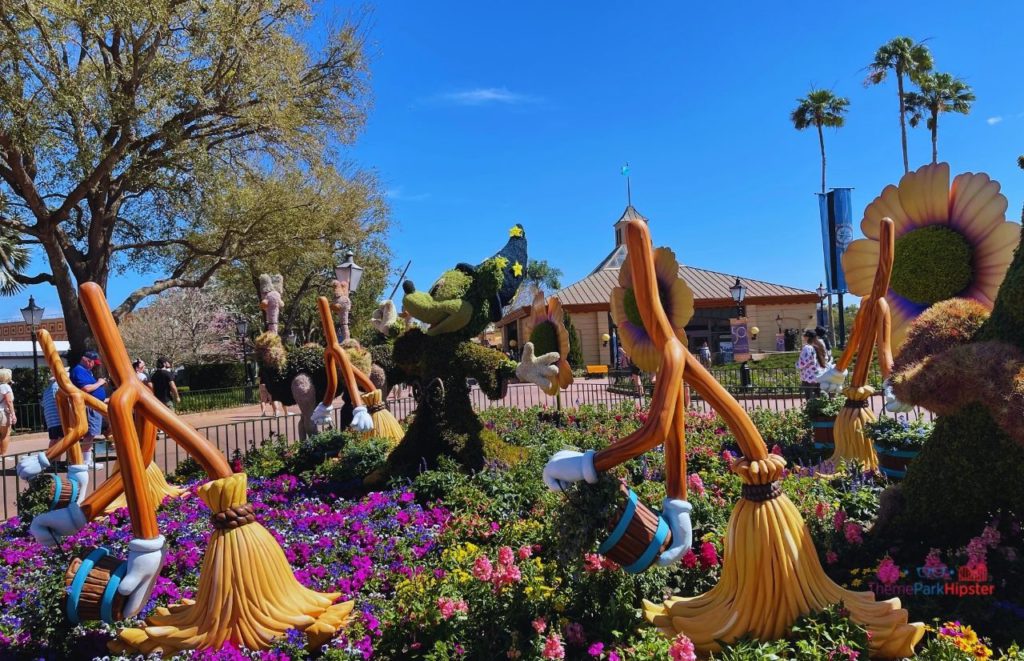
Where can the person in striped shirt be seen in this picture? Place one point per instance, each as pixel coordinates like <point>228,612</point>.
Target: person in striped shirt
<point>50,414</point>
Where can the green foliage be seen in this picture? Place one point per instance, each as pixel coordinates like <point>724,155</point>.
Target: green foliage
<point>942,326</point>
<point>892,434</point>
<point>358,459</point>
<point>453,283</point>
<point>582,522</point>
<point>575,356</point>
<point>827,634</point>
<point>824,406</point>
<point>25,389</point>
<point>545,338</point>
<point>1007,320</point>
<point>931,264</point>
<point>214,375</point>
<point>36,499</point>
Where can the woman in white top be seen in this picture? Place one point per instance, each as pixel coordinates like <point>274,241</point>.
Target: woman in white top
<point>140,371</point>
<point>811,363</point>
<point>7,416</point>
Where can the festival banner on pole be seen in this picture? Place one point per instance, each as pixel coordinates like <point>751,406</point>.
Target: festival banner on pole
<point>740,339</point>
<point>836,211</point>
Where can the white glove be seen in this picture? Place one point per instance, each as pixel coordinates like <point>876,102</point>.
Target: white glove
<point>567,466</point>
<point>361,420</point>
<point>79,473</point>
<point>677,514</point>
<point>540,371</point>
<point>893,405</point>
<point>49,527</point>
<point>322,414</point>
<point>31,466</point>
<point>383,317</point>
<point>832,380</point>
<point>145,558</point>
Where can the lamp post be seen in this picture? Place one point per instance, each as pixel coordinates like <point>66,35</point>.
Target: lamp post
<point>350,273</point>
<point>242,327</point>
<point>33,315</point>
<point>739,293</point>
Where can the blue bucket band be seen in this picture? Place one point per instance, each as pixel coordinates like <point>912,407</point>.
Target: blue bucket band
<point>75,591</point>
<point>645,560</point>
<point>824,425</point>
<point>107,603</point>
<point>621,526</point>
<point>893,472</point>
<point>57,488</point>
<point>74,491</point>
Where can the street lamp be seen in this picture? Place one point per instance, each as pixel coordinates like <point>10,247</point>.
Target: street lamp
<point>739,292</point>
<point>778,322</point>
<point>33,315</point>
<point>823,293</point>
<point>242,328</point>
<point>351,274</point>
<point>290,338</point>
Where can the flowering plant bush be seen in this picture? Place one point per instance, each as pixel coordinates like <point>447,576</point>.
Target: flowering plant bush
<point>898,434</point>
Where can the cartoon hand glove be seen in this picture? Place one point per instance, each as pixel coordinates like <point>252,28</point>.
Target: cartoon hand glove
<point>322,414</point>
<point>568,466</point>
<point>538,370</point>
<point>145,558</point>
<point>676,513</point>
<point>361,420</point>
<point>80,474</point>
<point>31,466</point>
<point>893,405</point>
<point>49,527</point>
<point>832,380</point>
<point>383,317</point>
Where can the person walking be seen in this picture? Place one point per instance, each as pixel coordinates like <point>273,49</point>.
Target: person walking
<point>267,398</point>
<point>823,336</point>
<point>51,415</point>
<point>704,354</point>
<point>811,363</point>
<point>163,384</point>
<point>8,418</point>
<point>84,379</point>
<point>140,371</point>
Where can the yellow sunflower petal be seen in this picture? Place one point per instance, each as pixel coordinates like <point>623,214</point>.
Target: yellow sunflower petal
<point>681,302</point>
<point>886,205</point>
<point>991,259</point>
<point>859,264</point>
<point>625,275</point>
<point>976,206</point>
<point>617,301</point>
<point>924,194</point>
<point>666,266</point>
<point>900,326</point>
<point>557,317</point>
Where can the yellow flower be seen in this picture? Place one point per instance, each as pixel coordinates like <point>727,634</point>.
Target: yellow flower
<point>951,241</point>
<point>856,582</point>
<point>676,299</point>
<point>546,330</point>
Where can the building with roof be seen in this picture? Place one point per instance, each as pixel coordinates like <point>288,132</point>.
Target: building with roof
<point>18,353</point>
<point>772,308</point>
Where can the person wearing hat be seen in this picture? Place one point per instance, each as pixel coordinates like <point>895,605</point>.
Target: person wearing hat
<point>83,378</point>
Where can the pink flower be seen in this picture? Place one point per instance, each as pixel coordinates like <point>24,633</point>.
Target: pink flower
<point>888,571</point>
<point>990,535</point>
<point>853,533</point>
<point>839,519</point>
<point>614,656</point>
<point>525,552</point>
<point>831,557</point>
<point>727,456</point>
<point>591,562</point>
<point>482,568</point>
<point>682,649</point>
<point>777,449</point>
<point>506,556</point>
<point>708,555</point>
<point>540,625</point>
<point>574,634</point>
<point>553,648</point>
<point>696,484</point>
<point>843,652</point>
<point>689,559</point>
<point>449,607</point>
<point>821,510</point>
<point>596,649</point>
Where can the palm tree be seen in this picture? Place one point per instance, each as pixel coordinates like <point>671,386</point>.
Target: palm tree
<point>14,259</point>
<point>905,58</point>
<point>940,92</point>
<point>820,108</point>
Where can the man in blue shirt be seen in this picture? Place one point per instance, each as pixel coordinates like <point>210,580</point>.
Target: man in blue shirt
<point>83,378</point>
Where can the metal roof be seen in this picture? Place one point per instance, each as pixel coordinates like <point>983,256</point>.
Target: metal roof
<point>23,348</point>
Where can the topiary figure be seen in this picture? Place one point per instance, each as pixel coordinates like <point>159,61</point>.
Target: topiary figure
<point>438,360</point>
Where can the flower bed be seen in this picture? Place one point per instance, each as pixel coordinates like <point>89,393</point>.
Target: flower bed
<point>453,566</point>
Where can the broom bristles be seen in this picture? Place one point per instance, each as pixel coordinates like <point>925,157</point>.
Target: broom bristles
<point>247,593</point>
<point>384,423</point>
<point>156,485</point>
<point>852,444</point>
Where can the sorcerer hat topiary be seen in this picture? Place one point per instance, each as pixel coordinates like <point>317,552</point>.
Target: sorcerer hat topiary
<point>513,263</point>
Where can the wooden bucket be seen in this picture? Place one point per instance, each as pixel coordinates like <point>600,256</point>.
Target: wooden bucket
<point>823,432</point>
<point>637,535</point>
<point>63,491</point>
<point>92,580</point>
<point>894,462</point>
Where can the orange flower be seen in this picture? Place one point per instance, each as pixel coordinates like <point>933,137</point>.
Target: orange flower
<point>546,330</point>
<point>676,298</point>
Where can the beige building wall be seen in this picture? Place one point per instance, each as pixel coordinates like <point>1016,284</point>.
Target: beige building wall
<point>800,315</point>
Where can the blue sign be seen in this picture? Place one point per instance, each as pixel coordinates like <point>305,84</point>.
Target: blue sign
<point>836,211</point>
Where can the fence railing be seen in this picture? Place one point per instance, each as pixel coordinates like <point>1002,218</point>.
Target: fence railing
<point>239,436</point>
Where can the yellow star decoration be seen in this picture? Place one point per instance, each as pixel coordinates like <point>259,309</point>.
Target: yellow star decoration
<point>517,269</point>
<point>502,262</point>
<point>515,231</point>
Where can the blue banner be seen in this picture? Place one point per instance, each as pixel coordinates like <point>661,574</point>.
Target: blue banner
<point>836,211</point>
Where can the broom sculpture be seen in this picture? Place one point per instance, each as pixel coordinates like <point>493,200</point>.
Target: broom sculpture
<point>873,326</point>
<point>71,403</point>
<point>369,415</point>
<point>247,592</point>
<point>770,574</point>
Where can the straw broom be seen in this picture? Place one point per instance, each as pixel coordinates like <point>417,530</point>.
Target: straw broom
<point>385,425</point>
<point>770,574</point>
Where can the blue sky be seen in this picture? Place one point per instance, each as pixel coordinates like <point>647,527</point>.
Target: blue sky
<point>488,114</point>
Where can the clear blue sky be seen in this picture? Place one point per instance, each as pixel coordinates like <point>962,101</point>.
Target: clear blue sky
<point>487,114</point>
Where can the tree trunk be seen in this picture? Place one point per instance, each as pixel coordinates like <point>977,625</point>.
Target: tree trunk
<point>903,120</point>
<point>821,142</point>
<point>935,137</point>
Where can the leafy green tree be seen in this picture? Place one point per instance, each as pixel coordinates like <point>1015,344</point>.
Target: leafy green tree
<point>820,108</point>
<point>940,92</point>
<point>14,259</point>
<point>575,356</point>
<point>121,121</point>
<point>906,59</point>
<point>543,275</point>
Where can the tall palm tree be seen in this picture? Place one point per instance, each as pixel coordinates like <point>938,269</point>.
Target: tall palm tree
<point>940,92</point>
<point>906,58</point>
<point>14,259</point>
<point>820,108</point>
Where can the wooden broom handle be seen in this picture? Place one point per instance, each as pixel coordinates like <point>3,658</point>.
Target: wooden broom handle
<point>336,359</point>
<point>875,313</point>
<point>70,404</point>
